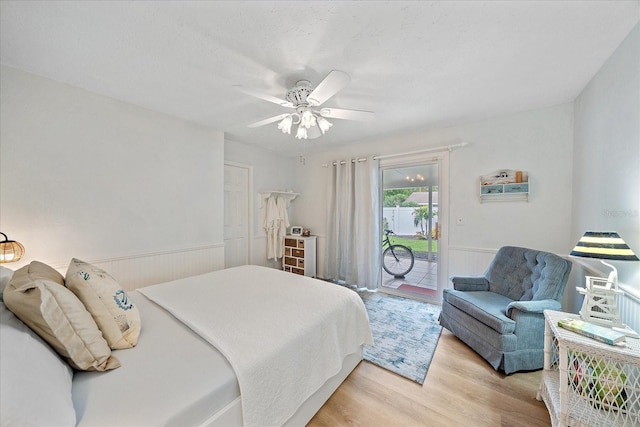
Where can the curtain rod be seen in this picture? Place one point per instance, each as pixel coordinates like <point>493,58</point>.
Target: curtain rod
<point>426,150</point>
<point>388,156</point>
<point>342,162</point>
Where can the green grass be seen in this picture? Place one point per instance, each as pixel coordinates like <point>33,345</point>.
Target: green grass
<point>415,244</point>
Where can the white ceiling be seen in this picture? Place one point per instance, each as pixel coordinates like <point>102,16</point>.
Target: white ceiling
<point>425,175</point>
<point>417,65</point>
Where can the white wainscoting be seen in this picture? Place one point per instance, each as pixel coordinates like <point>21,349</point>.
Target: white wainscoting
<point>629,307</point>
<point>466,261</point>
<point>147,269</point>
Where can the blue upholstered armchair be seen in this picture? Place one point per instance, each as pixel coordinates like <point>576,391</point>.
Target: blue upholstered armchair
<point>499,314</point>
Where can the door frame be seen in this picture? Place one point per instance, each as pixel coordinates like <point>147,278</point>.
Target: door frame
<point>250,212</point>
<point>442,158</point>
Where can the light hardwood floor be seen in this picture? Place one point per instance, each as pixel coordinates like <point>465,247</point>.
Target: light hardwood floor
<point>461,389</point>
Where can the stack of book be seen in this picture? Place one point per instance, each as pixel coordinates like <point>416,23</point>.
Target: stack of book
<point>591,330</point>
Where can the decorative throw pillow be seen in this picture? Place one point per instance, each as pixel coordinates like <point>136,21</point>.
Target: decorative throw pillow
<point>59,317</point>
<point>40,270</point>
<point>113,311</point>
<point>36,383</point>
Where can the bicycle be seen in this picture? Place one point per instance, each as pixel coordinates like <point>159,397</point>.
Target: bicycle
<point>397,260</point>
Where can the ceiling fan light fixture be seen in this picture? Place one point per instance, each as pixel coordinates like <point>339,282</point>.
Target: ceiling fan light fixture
<point>302,132</point>
<point>307,118</point>
<point>323,124</point>
<point>285,124</point>
<point>307,101</point>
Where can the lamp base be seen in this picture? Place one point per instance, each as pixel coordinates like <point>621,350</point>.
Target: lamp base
<point>599,305</point>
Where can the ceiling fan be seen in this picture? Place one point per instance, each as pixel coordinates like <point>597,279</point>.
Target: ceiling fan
<point>306,101</point>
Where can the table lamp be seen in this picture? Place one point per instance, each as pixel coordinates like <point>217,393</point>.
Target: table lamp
<point>10,250</point>
<point>599,305</point>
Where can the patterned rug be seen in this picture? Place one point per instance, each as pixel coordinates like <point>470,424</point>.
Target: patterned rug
<point>405,334</point>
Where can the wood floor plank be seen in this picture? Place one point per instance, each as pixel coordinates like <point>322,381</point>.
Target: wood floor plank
<point>460,389</point>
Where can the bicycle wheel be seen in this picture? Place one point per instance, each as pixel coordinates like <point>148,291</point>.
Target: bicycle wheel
<point>397,260</point>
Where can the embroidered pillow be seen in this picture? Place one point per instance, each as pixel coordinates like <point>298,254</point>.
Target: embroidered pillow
<point>116,315</point>
<point>36,295</point>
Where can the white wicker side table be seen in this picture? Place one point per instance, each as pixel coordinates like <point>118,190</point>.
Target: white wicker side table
<point>586,382</point>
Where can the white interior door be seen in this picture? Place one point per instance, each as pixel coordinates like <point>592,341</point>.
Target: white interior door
<point>236,214</point>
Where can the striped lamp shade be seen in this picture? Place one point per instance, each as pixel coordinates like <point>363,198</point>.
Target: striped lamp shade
<point>603,245</point>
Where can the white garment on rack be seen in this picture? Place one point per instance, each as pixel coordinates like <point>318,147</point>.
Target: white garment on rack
<point>283,223</point>
<point>276,221</point>
<point>271,226</point>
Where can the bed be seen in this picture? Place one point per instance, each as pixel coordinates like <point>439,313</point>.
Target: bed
<point>248,345</point>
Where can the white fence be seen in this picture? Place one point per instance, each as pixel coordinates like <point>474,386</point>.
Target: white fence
<point>401,221</point>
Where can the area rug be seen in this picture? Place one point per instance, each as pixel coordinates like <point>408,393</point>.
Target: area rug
<point>405,334</point>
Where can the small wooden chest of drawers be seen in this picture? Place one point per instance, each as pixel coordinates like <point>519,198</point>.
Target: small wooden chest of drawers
<point>300,255</point>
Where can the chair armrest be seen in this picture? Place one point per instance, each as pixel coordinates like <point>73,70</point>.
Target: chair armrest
<point>470,283</point>
<point>534,306</point>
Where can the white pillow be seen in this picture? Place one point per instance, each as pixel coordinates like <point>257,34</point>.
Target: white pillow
<point>36,383</point>
<point>5,276</point>
<point>111,308</point>
<point>37,296</point>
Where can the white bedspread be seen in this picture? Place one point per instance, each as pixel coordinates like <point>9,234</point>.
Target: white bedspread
<point>283,334</point>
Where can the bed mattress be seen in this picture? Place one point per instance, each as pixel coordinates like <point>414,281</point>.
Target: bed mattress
<point>172,377</point>
<point>284,335</point>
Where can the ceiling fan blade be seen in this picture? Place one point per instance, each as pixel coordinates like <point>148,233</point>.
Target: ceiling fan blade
<point>268,121</point>
<point>332,84</point>
<point>264,96</point>
<point>339,113</point>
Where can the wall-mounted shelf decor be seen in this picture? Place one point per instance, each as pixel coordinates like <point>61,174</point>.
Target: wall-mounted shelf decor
<point>504,185</point>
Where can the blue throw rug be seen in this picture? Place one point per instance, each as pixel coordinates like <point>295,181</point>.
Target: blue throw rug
<point>405,334</point>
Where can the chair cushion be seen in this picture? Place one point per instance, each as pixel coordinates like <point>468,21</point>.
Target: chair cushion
<point>486,307</point>
<point>523,274</point>
<point>509,273</point>
<point>549,277</point>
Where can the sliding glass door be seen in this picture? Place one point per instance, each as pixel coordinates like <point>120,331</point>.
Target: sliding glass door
<point>411,227</point>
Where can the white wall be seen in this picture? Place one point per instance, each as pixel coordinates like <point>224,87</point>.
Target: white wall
<point>606,165</point>
<point>86,176</point>
<point>271,171</point>
<point>539,142</point>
